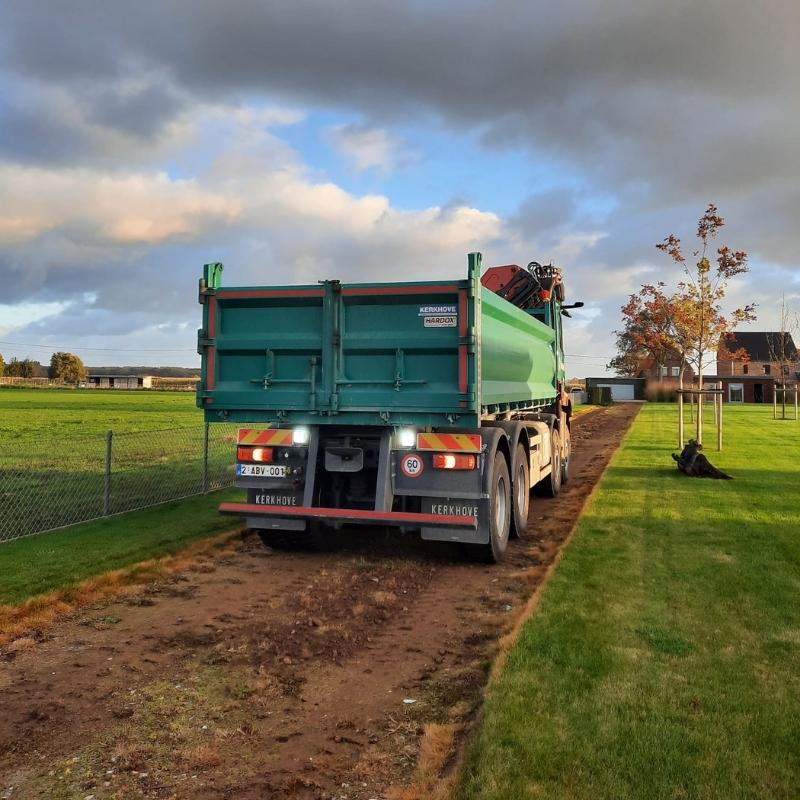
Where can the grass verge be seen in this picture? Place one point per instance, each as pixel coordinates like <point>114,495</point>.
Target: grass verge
<point>583,408</point>
<point>61,570</point>
<point>662,661</point>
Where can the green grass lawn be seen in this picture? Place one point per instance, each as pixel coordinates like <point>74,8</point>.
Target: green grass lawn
<point>664,658</point>
<point>77,413</point>
<point>53,446</point>
<point>39,564</point>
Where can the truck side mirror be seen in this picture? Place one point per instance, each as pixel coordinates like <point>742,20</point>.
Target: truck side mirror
<point>578,304</point>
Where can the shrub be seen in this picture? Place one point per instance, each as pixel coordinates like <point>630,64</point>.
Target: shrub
<point>661,393</point>
<point>600,395</point>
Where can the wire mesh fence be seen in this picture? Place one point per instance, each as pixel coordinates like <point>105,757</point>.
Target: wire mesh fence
<point>60,482</point>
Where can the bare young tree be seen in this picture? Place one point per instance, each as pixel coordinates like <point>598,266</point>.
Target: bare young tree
<point>782,349</point>
<point>698,319</point>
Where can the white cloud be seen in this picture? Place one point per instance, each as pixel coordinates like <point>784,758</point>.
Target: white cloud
<point>367,148</point>
<point>134,208</point>
<point>255,184</point>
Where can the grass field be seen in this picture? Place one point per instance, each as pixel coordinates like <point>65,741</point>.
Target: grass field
<point>53,451</point>
<point>70,414</point>
<point>662,661</point>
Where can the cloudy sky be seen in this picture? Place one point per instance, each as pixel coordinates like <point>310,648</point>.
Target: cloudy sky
<point>380,140</point>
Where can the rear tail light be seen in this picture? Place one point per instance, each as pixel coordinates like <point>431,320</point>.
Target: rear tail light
<point>453,461</point>
<point>262,455</point>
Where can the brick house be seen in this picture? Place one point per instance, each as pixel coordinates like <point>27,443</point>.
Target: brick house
<point>761,348</point>
<point>753,380</point>
<point>667,370</point>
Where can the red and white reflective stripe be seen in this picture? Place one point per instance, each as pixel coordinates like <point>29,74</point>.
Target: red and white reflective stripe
<point>451,442</point>
<point>272,436</point>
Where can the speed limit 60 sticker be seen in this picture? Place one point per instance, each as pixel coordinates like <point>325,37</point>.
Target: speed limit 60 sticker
<point>411,465</point>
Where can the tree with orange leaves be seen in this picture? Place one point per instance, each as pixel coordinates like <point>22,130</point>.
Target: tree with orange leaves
<point>699,325</point>
<point>647,332</point>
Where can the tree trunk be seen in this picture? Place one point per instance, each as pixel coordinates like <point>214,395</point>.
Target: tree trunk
<point>783,404</point>
<point>680,407</point>
<point>700,401</point>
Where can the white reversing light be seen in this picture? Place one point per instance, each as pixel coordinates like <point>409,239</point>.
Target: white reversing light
<point>407,437</point>
<point>301,436</point>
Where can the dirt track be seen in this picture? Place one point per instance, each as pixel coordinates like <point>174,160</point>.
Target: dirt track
<point>278,675</point>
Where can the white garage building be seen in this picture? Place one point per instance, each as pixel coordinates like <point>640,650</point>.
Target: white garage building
<point>621,388</point>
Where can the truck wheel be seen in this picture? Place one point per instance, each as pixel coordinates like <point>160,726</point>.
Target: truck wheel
<point>275,540</point>
<point>551,485</point>
<point>521,488</point>
<point>565,459</point>
<point>314,539</point>
<point>499,514</point>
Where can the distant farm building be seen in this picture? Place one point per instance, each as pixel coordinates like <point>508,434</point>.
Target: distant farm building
<point>621,388</point>
<point>119,382</point>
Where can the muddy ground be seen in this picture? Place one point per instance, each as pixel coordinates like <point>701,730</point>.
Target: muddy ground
<point>269,674</point>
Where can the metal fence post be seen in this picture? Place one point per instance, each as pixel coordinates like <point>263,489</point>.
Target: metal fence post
<point>107,486</point>
<point>205,458</point>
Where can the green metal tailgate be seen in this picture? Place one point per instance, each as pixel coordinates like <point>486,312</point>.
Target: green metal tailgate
<point>367,354</point>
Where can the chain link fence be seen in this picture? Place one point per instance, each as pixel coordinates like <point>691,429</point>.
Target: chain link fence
<point>60,482</point>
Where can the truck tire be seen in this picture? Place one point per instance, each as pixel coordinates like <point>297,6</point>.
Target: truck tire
<point>551,485</point>
<point>565,459</point>
<point>499,514</point>
<point>315,539</point>
<point>521,489</point>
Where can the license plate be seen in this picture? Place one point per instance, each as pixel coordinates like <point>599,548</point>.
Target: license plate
<point>262,470</point>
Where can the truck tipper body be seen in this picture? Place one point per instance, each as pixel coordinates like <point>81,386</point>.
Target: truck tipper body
<point>432,406</point>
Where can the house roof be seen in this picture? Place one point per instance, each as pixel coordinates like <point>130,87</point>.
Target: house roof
<point>762,345</point>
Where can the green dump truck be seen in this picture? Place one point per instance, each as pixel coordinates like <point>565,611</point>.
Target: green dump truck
<point>431,406</point>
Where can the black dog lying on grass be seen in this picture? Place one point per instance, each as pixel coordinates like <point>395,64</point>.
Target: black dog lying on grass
<point>693,463</point>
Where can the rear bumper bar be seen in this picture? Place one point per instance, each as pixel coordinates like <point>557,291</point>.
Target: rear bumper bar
<point>349,515</point>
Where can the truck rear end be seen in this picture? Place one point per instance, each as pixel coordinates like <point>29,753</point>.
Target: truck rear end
<point>379,403</point>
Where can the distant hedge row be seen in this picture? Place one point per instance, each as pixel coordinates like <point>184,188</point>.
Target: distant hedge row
<point>599,395</point>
